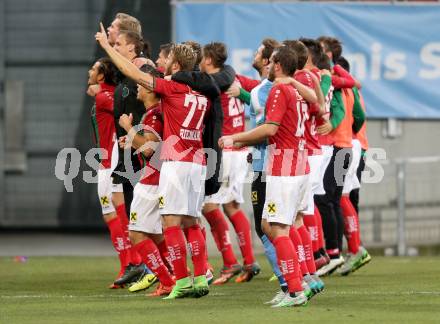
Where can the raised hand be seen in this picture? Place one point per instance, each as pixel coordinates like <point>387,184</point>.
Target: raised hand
<point>101,37</point>
<point>125,121</point>
<point>122,141</point>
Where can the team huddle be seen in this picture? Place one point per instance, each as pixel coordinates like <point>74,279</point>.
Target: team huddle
<point>175,149</point>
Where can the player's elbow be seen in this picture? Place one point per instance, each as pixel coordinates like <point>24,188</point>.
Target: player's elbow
<point>271,130</point>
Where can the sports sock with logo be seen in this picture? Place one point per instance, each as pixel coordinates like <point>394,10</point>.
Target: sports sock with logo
<point>117,237</point>
<point>197,246</point>
<point>288,263</point>
<point>220,232</point>
<point>271,255</point>
<point>351,225</point>
<point>163,250</point>
<point>308,251</point>
<point>312,228</point>
<point>299,248</point>
<point>151,257</point>
<point>134,258</point>
<point>175,241</point>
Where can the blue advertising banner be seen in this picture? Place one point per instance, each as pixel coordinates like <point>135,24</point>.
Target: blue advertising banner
<point>394,50</point>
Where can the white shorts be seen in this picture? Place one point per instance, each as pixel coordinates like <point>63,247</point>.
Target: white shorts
<point>115,154</point>
<point>327,153</point>
<point>234,170</point>
<point>351,180</point>
<point>285,197</point>
<point>315,162</point>
<point>144,210</point>
<point>105,189</point>
<point>181,188</point>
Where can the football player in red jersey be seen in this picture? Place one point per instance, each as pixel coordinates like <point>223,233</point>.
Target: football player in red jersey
<point>145,222</point>
<point>183,171</point>
<point>102,74</point>
<point>287,168</point>
<point>235,169</point>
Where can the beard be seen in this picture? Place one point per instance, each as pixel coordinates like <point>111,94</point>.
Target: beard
<point>271,76</point>
<point>256,66</point>
<point>168,69</point>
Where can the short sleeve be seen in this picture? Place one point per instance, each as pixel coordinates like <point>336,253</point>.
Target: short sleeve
<point>304,78</point>
<point>166,87</point>
<point>246,83</point>
<point>276,105</point>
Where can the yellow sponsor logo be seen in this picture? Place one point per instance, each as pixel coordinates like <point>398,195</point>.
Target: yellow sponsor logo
<point>161,202</point>
<point>254,196</point>
<point>271,208</point>
<point>133,217</point>
<point>105,201</point>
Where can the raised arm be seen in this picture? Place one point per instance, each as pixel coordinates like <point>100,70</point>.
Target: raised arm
<point>124,65</point>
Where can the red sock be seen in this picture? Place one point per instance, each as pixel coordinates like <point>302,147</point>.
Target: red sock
<point>177,249</point>
<point>203,229</point>
<point>299,248</point>
<point>133,256</point>
<point>220,232</point>
<point>288,262</point>
<point>163,249</point>
<point>117,237</point>
<point>243,229</point>
<point>351,225</point>
<point>151,257</point>
<point>312,228</point>
<point>318,221</point>
<point>308,251</point>
<point>198,249</point>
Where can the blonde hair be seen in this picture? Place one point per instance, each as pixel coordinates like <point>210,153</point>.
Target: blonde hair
<point>127,22</point>
<point>184,55</point>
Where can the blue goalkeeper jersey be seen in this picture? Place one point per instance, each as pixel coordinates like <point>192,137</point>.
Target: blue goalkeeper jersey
<point>257,117</point>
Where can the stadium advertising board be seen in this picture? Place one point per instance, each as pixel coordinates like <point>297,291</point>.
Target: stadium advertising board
<point>394,50</point>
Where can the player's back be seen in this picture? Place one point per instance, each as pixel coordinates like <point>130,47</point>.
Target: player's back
<point>233,113</point>
<point>184,111</point>
<point>287,154</point>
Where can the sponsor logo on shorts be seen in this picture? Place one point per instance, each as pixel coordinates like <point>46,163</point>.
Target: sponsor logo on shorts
<point>254,196</point>
<point>133,217</point>
<point>105,201</point>
<point>161,202</point>
<point>271,208</point>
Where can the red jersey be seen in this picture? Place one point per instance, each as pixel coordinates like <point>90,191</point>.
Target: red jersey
<point>103,122</point>
<point>152,122</point>
<point>287,155</point>
<point>184,111</point>
<point>233,113</point>
<point>312,142</point>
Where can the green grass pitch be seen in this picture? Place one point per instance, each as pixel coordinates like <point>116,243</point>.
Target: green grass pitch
<point>74,290</point>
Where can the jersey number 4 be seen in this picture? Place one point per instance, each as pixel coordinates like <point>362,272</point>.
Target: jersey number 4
<point>194,103</point>
<point>236,107</point>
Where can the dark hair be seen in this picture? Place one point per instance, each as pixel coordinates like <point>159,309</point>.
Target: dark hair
<point>287,59</point>
<point>315,50</point>
<point>269,45</point>
<point>342,61</point>
<point>323,62</point>
<point>301,51</point>
<point>333,45</point>
<point>108,69</point>
<point>166,48</point>
<point>217,52</point>
<point>197,49</point>
<point>140,46</point>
